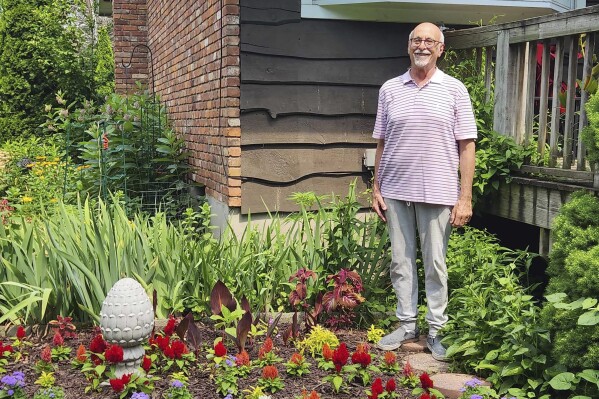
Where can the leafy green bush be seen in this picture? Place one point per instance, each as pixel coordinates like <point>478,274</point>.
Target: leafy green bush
<point>494,328</point>
<point>36,175</point>
<point>590,134</point>
<point>574,270</point>
<point>41,52</point>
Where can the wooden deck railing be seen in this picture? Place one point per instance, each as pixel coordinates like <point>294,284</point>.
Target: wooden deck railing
<point>537,62</point>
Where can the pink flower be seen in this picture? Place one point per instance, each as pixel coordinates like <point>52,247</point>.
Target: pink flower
<point>58,340</point>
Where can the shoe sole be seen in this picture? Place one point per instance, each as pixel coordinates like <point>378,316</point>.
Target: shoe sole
<point>396,346</point>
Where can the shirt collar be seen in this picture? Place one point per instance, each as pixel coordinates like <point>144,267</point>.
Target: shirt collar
<point>436,78</point>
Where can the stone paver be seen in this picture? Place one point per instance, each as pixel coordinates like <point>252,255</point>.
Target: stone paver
<point>424,362</point>
<point>419,346</point>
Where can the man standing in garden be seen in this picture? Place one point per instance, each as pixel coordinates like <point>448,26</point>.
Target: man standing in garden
<point>426,132</point>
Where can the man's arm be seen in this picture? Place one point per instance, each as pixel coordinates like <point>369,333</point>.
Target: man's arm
<point>462,210</point>
<point>378,204</point>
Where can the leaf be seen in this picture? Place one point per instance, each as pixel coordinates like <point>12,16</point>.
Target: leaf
<point>221,296</point>
<point>273,325</point>
<point>245,304</point>
<point>337,381</point>
<point>562,381</point>
<point>511,369</point>
<point>589,318</point>
<point>181,329</point>
<point>194,336</point>
<point>589,303</point>
<point>590,375</point>
<point>243,328</point>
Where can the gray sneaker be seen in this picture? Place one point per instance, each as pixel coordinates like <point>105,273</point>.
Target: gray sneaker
<point>436,347</point>
<point>395,339</point>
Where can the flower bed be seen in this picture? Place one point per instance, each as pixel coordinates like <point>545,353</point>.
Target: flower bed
<point>81,362</point>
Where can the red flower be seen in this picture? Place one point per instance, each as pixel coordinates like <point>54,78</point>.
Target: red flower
<point>219,349</point>
<point>21,333</point>
<point>427,396</point>
<point>81,353</point>
<point>426,381</point>
<point>126,378</point>
<point>296,358</point>
<point>242,359</point>
<point>168,352</point>
<point>390,387</point>
<point>97,345</point>
<point>340,356</point>
<point>391,359</point>
<point>377,387</point>
<point>169,329</point>
<point>114,354</point>
<point>179,349</point>
<point>162,342</point>
<point>146,364</point>
<point>104,141</point>
<point>327,352</point>
<point>270,372</point>
<point>46,354</point>
<point>58,340</point>
<point>361,358</point>
<point>117,384</point>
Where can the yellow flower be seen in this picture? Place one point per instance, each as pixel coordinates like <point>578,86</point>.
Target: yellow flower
<point>26,199</point>
<point>54,200</point>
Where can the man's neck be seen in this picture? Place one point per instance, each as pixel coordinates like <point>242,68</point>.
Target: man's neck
<point>422,75</point>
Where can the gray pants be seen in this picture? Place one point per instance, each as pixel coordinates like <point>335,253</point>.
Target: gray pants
<point>432,224</point>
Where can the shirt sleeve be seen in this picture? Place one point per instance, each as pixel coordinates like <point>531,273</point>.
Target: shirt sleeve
<point>465,124</point>
<point>380,125</point>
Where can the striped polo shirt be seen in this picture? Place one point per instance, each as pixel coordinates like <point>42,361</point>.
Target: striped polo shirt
<point>421,126</point>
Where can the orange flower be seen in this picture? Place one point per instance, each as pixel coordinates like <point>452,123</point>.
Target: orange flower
<point>242,359</point>
<point>270,372</point>
<point>327,352</point>
<point>311,395</point>
<point>266,348</point>
<point>81,353</point>
<point>362,348</point>
<point>296,358</point>
<point>390,358</point>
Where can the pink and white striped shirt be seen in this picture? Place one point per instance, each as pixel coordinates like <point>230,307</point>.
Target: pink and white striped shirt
<point>421,127</point>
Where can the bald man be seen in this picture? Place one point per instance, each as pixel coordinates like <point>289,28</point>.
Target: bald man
<point>424,167</point>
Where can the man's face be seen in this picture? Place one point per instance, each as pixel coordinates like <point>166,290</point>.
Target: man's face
<point>421,55</point>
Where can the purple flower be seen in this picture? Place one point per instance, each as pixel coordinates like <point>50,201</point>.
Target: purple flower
<point>476,397</point>
<point>177,384</point>
<point>140,395</point>
<point>473,383</point>
<point>10,392</point>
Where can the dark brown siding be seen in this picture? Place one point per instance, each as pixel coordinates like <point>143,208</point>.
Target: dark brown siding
<point>308,100</point>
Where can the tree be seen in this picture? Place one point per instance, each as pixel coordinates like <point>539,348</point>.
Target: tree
<point>42,50</point>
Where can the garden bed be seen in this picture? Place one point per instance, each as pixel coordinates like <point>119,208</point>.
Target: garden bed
<point>200,372</point>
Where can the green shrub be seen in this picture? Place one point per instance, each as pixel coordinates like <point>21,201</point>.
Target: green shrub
<point>574,270</point>
<point>494,328</point>
<point>40,53</point>
<point>590,134</point>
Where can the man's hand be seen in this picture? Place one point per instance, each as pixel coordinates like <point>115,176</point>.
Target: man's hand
<point>378,204</point>
<point>461,212</point>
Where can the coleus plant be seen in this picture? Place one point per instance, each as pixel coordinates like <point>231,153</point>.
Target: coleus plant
<point>343,297</point>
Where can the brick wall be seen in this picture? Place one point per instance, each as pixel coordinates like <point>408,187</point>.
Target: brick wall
<point>195,51</point>
<point>130,29</point>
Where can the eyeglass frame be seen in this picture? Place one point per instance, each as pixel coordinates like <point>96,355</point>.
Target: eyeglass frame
<point>426,42</point>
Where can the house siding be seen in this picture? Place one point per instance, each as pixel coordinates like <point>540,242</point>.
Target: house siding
<point>195,64</point>
<point>309,92</point>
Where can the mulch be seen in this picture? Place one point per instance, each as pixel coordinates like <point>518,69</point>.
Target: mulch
<point>200,384</point>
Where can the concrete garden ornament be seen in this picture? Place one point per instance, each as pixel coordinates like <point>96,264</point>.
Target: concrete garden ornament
<point>127,319</point>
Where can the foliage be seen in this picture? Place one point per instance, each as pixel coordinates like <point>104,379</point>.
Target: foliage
<point>374,334</point>
<point>342,298</point>
<point>494,328</point>
<point>315,339</point>
<point>496,154</point>
<point>590,134</point>
<point>476,388</point>
<point>573,266</point>
<point>42,50</point>
<point>36,175</point>
<point>104,73</point>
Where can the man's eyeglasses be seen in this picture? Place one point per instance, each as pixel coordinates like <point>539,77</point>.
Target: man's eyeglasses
<point>428,43</point>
